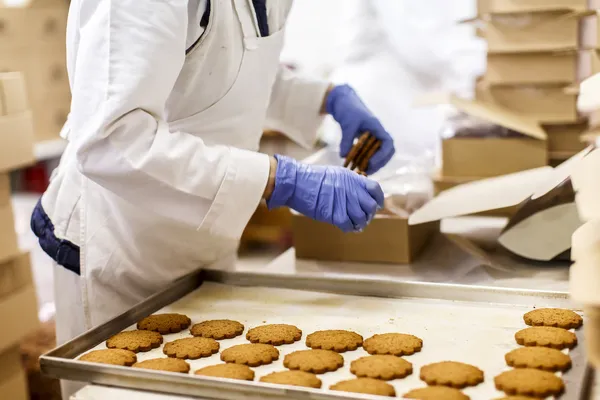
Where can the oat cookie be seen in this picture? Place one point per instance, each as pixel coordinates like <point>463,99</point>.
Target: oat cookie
<point>436,393</point>
<point>397,344</point>
<point>275,334</point>
<point>164,364</point>
<point>315,361</point>
<point>556,317</point>
<point>218,329</point>
<point>252,354</point>
<point>451,373</point>
<point>135,341</point>
<point>125,358</point>
<point>231,371</point>
<point>191,347</point>
<point>546,336</point>
<point>293,378</point>
<point>365,386</point>
<point>543,358</point>
<point>529,382</point>
<point>164,323</point>
<point>336,340</point>
<point>384,367</point>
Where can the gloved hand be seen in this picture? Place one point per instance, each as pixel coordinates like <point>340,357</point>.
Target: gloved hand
<point>354,118</point>
<point>330,194</point>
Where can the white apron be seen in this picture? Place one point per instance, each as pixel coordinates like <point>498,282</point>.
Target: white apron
<point>128,254</point>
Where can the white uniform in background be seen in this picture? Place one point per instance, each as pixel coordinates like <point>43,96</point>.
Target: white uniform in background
<point>160,175</point>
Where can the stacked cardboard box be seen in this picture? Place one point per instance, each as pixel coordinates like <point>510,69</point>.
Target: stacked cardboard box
<point>18,305</point>
<point>538,52</point>
<point>32,40</point>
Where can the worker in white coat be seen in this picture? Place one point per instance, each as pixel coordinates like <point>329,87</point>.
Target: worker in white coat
<point>161,172</point>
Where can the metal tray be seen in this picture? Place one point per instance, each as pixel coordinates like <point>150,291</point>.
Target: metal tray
<point>336,301</point>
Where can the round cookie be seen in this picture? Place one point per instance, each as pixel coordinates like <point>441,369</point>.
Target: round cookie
<point>124,358</point>
<point>275,334</point>
<point>252,354</point>
<point>543,358</point>
<point>135,341</point>
<point>164,323</point>
<point>556,317</point>
<point>436,393</point>
<point>451,373</point>
<point>293,378</point>
<point>230,371</point>
<point>529,382</point>
<point>315,361</point>
<point>164,364</point>
<point>546,336</point>
<point>336,340</point>
<point>384,367</point>
<point>396,344</point>
<point>365,386</point>
<point>217,329</point>
<point>191,347</point>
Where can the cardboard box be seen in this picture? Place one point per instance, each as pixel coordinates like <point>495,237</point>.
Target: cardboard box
<point>14,31</point>
<point>527,6</point>
<point>486,157</point>
<point>4,189</point>
<point>19,311</point>
<point>47,25</point>
<point>564,141</point>
<point>49,120</point>
<point>386,239</point>
<point>559,68</point>
<point>15,275</point>
<point>16,141</point>
<point>13,94</point>
<point>9,247</point>
<point>547,104</point>
<point>540,31</point>
<point>13,382</point>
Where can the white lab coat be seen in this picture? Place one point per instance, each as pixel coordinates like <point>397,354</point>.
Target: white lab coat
<point>161,173</point>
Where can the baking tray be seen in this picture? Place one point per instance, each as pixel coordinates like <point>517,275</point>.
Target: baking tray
<point>472,324</point>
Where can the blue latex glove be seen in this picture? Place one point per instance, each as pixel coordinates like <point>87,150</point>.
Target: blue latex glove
<point>330,194</point>
<point>354,118</point>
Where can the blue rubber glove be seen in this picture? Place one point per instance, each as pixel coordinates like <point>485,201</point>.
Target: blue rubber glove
<point>329,194</point>
<point>354,118</point>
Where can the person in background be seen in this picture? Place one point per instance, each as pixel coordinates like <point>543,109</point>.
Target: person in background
<point>161,172</point>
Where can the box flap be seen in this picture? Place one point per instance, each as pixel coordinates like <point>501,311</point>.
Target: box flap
<point>485,195</point>
<point>491,113</point>
<point>543,235</point>
<point>560,174</point>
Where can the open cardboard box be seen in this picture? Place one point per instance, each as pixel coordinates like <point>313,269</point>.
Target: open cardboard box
<point>387,239</point>
<point>546,218</point>
<point>475,157</point>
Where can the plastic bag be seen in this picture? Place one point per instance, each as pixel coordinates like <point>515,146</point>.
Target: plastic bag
<point>459,124</point>
<point>405,181</point>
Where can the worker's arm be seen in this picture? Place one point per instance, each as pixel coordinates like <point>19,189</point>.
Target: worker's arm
<point>129,57</point>
<point>296,106</point>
